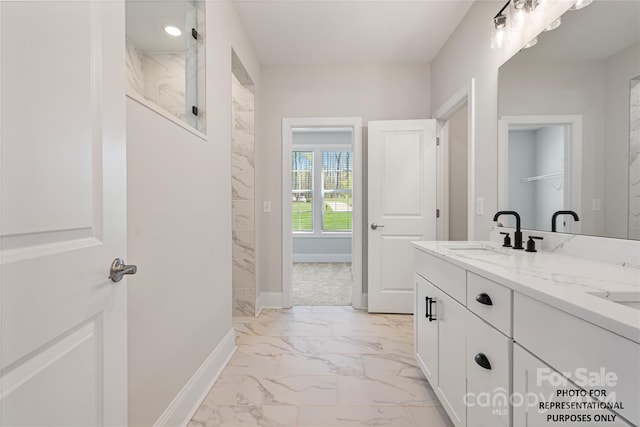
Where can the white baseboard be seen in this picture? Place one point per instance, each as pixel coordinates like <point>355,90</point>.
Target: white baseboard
<point>269,300</point>
<point>321,257</point>
<point>188,400</point>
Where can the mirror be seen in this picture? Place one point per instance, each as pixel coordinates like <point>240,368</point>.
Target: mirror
<point>166,57</point>
<point>569,117</point>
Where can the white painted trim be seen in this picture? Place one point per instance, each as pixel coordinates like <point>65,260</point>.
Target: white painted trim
<point>188,400</point>
<point>443,181</point>
<point>466,94</point>
<point>322,257</point>
<point>269,300</point>
<point>573,167</point>
<point>287,241</point>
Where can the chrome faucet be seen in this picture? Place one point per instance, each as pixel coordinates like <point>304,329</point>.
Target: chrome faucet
<point>555,215</point>
<point>517,236</point>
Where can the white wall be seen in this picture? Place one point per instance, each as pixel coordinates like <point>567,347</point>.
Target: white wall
<point>521,194</point>
<point>179,214</point>
<point>467,54</point>
<point>373,92</point>
<point>458,173</point>
<point>549,158</point>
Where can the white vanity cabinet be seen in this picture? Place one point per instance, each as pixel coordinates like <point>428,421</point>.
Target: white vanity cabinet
<point>440,332</point>
<point>583,352</point>
<point>534,381</point>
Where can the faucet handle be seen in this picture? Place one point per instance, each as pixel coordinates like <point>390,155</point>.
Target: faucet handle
<point>507,239</point>
<point>531,244</point>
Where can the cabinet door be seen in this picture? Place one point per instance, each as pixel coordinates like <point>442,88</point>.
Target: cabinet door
<point>534,383</point>
<point>450,316</point>
<point>426,333</point>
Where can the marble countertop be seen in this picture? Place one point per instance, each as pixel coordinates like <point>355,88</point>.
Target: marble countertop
<point>562,281</point>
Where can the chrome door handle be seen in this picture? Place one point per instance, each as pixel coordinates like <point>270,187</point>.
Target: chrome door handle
<point>375,226</point>
<point>119,269</point>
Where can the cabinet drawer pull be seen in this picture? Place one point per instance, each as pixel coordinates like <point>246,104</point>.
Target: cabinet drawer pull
<point>484,299</point>
<point>431,316</point>
<point>426,307</point>
<point>482,360</point>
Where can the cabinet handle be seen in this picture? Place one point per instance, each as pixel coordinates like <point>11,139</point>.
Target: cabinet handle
<point>426,307</point>
<point>431,316</point>
<point>482,360</point>
<point>484,299</point>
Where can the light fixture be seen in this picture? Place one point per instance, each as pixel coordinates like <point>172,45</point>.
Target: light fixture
<point>172,30</point>
<point>581,4</point>
<point>555,24</point>
<point>531,43</point>
<point>499,33</point>
<point>519,14</point>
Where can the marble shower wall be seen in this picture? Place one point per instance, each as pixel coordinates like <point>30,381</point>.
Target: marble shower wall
<point>157,77</point>
<point>243,199</point>
<point>634,160</point>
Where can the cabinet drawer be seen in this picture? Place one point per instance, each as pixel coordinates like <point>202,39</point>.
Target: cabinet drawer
<point>448,277</point>
<point>576,347</point>
<point>499,312</point>
<point>482,339</point>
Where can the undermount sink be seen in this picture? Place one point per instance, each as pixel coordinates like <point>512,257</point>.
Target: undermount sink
<point>474,250</point>
<point>628,299</point>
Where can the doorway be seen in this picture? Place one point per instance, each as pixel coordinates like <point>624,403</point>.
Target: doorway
<point>456,191</point>
<point>322,212</point>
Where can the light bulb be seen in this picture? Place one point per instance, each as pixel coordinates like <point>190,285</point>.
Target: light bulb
<point>519,14</point>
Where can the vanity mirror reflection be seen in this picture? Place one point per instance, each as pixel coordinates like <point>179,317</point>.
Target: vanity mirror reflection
<point>569,124</point>
<point>166,58</point>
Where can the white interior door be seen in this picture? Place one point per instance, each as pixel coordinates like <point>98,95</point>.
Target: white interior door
<point>402,207</point>
<point>63,212</point>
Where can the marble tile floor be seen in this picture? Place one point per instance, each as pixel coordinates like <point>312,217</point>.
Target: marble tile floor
<point>321,284</point>
<point>323,367</point>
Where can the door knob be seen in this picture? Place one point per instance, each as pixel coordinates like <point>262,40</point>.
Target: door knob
<point>119,269</point>
<point>375,226</point>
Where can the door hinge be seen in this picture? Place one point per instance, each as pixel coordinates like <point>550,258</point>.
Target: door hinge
<point>437,140</point>
<point>437,213</point>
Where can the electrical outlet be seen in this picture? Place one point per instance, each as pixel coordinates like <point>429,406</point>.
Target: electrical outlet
<point>266,206</point>
<point>595,204</point>
<point>480,206</point>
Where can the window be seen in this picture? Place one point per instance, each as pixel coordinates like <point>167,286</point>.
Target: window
<point>337,190</point>
<point>330,200</point>
<point>302,190</point>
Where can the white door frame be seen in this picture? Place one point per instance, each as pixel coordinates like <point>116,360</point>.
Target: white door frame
<point>356,237</point>
<point>464,95</point>
<point>572,164</point>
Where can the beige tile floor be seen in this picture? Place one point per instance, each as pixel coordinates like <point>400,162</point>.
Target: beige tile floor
<point>323,367</point>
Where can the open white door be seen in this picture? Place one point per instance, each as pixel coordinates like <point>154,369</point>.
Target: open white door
<point>63,353</point>
<point>402,207</point>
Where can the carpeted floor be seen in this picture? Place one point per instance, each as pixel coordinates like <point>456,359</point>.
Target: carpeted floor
<point>321,283</point>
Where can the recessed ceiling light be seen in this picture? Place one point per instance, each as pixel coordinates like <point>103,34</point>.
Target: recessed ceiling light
<point>172,31</point>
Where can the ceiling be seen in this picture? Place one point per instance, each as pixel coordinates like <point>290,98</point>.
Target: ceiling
<point>342,32</point>
<point>145,22</point>
<point>591,34</point>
